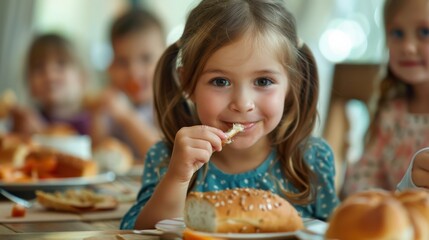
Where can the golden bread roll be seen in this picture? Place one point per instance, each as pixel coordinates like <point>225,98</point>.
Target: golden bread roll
<point>113,155</point>
<point>379,214</point>
<point>240,211</point>
<point>417,204</point>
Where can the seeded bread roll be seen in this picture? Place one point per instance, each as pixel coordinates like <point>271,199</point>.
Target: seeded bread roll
<point>240,211</point>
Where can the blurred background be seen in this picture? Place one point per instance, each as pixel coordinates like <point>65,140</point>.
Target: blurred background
<point>337,31</point>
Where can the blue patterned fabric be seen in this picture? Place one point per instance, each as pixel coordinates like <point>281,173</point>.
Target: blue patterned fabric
<point>318,155</point>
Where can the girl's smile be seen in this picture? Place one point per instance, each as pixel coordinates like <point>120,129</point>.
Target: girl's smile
<point>411,63</point>
<point>241,85</point>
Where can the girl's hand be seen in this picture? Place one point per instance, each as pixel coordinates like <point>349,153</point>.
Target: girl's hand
<point>193,147</point>
<point>112,102</point>
<point>26,121</point>
<point>420,171</point>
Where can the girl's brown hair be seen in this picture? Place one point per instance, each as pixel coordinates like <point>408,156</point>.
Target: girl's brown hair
<point>212,25</point>
<point>135,20</point>
<point>51,45</point>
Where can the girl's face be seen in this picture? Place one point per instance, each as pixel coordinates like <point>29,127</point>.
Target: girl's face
<point>133,66</point>
<point>56,83</point>
<point>242,83</point>
<point>408,42</point>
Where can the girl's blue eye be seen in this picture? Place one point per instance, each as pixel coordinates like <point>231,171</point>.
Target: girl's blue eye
<point>396,33</point>
<point>424,32</point>
<point>220,82</point>
<point>263,82</point>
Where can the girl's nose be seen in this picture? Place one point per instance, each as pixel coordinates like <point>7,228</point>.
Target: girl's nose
<point>242,102</point>
<point>410,45</point>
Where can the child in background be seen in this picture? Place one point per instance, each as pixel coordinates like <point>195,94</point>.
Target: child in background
<point>401,121</point>
<point>125,109</point>
<point>56,78</point>
<point>236,62</point>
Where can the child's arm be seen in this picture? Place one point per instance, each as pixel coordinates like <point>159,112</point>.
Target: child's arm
<point>142,134</point>
<point>26,121</point>
<point>417,174</point>
<point>193,147</point>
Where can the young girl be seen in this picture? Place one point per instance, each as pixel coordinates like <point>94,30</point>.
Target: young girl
<point>236,62</point>
<point>401,123</point>
<point>56,79</point>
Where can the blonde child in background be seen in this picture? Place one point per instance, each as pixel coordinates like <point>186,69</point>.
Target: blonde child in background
<point>56,79</point>
<point>126,106</point>
<point>236,62</point>
<point>401,121</point>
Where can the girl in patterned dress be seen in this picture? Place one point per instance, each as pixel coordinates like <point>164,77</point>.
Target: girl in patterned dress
<point>401,122</point>
<point>238,61</point>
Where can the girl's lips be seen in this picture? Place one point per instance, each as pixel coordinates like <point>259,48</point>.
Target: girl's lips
<point>410,63</point>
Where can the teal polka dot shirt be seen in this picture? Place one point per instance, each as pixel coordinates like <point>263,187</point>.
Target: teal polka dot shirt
<point>267,176</point>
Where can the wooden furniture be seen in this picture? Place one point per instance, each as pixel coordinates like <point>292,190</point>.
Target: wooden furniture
<point>82,235</point>
<point>350,82</point>
<point>83,226</point>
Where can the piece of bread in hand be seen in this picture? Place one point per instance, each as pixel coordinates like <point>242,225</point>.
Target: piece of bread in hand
<point>242,210</point>
<point>236,128</point>
<point>76,201</point>
<point>379,214</point>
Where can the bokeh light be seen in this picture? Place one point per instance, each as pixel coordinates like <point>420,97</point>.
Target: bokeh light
<point>344,39</point>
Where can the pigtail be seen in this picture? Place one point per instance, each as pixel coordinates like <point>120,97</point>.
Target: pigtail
<point>309,93</point>
<point>291,149</point>
<point>172,109</point>
<point>171,104</point>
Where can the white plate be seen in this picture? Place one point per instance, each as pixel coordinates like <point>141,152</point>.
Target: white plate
<point>58,183</point>
<point>171,225</point>
<point>315,229</point>
<point>286,235</point>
